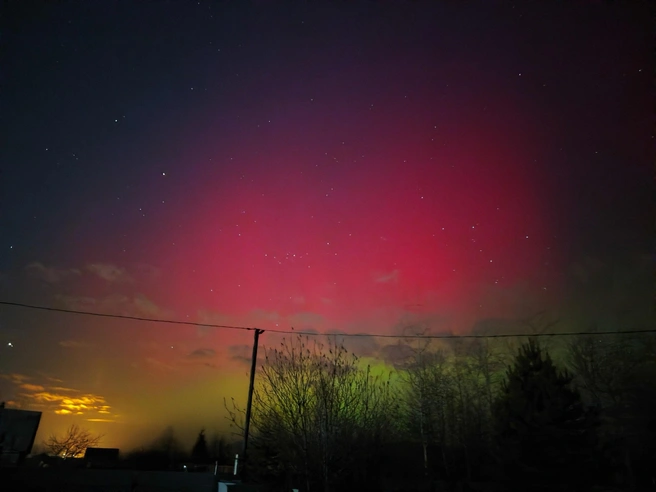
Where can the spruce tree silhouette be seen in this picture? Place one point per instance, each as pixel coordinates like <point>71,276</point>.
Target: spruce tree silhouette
<point>547,438</point>
<point>199,453</point>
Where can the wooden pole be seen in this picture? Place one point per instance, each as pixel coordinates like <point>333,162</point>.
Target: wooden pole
<point>247,425</point>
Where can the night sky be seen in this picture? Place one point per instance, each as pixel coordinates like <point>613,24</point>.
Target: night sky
<point>328,166</point>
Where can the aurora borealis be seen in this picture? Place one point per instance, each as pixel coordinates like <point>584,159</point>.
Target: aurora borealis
<point>332,167</point>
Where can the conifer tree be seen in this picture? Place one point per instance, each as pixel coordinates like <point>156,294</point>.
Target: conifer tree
<point>199,453</point>
<point>546,436</point>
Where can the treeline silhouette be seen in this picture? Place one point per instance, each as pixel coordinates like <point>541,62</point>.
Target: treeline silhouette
<point>464,415</point>
<point>167,453</point>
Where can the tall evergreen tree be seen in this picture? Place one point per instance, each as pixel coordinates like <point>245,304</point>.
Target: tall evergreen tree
<point>199,453</point>
<point>547,437</point>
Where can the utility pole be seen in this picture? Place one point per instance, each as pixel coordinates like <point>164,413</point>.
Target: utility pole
<point>250,390</point>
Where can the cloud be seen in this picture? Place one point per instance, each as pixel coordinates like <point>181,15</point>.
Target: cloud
<point>138,305</point>
<point>149,308</point>
<point>241,353</point>
<point>106,304</point>
<point>15,377</point>
<point>75,344</point>
<point>362,346</point>
<point>58,399</point>
<point>390,277</point>
<point>396,354</point>
<point>259,316</point>
<point>213,318</point>
<point>32,387</point>
<point>111,273</point>
<point>202,353</point>
<point>106,271</point>
<point>63,404</point>
<point>305,321</point>
<point>51,275</point>
<point>101,420</point>
<point>306,329</point>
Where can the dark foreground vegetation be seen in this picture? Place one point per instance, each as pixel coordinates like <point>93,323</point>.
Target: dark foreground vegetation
<point>473,414</point>
<point>164,465</point>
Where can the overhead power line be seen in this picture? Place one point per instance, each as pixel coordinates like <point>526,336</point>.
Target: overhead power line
<point>311,333</point>
<point>123,316</point>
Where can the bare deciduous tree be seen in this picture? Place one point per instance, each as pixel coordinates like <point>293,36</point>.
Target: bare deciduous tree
<point>73,443</point>
<point>429,400</point>
<point>449,395</point>
<point>617,373</point>
<point>318,413</point>
<point>606,365</point>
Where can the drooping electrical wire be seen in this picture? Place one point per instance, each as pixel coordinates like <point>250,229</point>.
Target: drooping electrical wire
<point>310,333</point>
